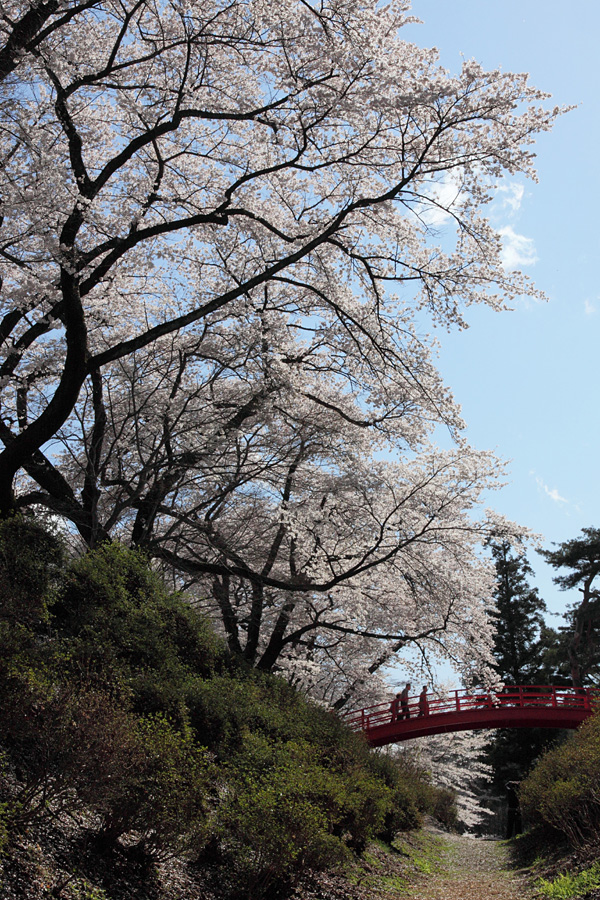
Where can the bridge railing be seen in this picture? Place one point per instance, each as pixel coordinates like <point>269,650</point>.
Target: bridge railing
<point>465,700</point>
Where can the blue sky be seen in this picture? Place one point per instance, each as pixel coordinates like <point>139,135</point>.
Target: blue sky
<point>527,380</point>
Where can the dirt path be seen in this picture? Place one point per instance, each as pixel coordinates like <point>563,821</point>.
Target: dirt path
<point>425,865</point>
<point>471,869</point>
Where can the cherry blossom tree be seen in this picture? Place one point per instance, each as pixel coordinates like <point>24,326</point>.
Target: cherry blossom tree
<point>314,557</point>
<point>456,761</point>
<point>223,227</point>
<point>162,161</point>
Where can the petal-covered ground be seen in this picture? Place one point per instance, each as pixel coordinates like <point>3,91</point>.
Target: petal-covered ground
<point>474,869</point>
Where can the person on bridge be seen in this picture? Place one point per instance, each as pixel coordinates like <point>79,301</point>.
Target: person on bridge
<point>394,707</point>
<point>423,702</point>
<point>404,702</point>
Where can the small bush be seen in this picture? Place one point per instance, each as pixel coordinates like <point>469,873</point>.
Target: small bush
<point>227,706</point>
<point>441,804</point>
<point>413,795</point>
<point>563,789</point>
<point>284,813</point>
<point>64,741</point>
<point>158,792</point>
<point>123,628</point>
<point>30,560</point>
<point>402,813</point>
<point>76,749</point>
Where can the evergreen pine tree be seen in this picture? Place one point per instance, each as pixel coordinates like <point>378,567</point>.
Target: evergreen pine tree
<point>519,618</point>
<point>581,635</point>
<point>520,648</point>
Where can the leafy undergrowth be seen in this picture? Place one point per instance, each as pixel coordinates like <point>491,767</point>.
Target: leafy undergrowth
<point>559,871</point>
<point>131,740</point>
<point>569,885</point>
<point>382,873</point>
<point>61,859</point>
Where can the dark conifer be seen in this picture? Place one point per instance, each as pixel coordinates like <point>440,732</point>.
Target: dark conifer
<point>520,650</point>
<point>519,618</point>
<point>582,557</point>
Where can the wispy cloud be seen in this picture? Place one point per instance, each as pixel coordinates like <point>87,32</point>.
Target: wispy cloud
<point>517,250</point>
<point>551,492</point>
<point>589,307</point>
<point>442,196</point>
<point>511,195</point>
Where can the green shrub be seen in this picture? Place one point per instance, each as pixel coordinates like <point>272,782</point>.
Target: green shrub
<point>413,795</point>
<point>402,812</point>
<point>77,749</point>
<point>284,813</point>
<point>30,560</point>
<point>65,740</point>
<point>441,804</point>
<point>224,708</point>
<point>271,833</point>
<point>159,791</point>
<point>117,699</point>
<point>127,631</point>
<point>563,789</point>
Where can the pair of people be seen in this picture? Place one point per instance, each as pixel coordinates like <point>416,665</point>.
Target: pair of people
<point>400,708</point>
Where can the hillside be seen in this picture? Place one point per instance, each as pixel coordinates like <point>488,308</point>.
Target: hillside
<point>140,758</point>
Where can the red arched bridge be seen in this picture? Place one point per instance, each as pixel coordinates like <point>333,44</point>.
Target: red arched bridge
<point>526,706</point>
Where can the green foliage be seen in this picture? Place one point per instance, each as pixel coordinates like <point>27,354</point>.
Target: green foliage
<point>117,699</point>
<point>93,714</point>
<point>407,787</point>
<point>524,654</point>
<point>30,559</point>
<point>441,804</point>
<point>518,617</point>
<point>298,803</point>
<point>563,790</point>
<point>121,622</point>
<point>67,742</point>
<point>226,707</point>
<point>578,641</point>
<point>513,752</point>
<point>569,886</point>
<point>289,808</point>
<point>280,816</point>
<point>158,789</point>
<point>581,555</point>
<point>413,795</point>
<point>78,749</point>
